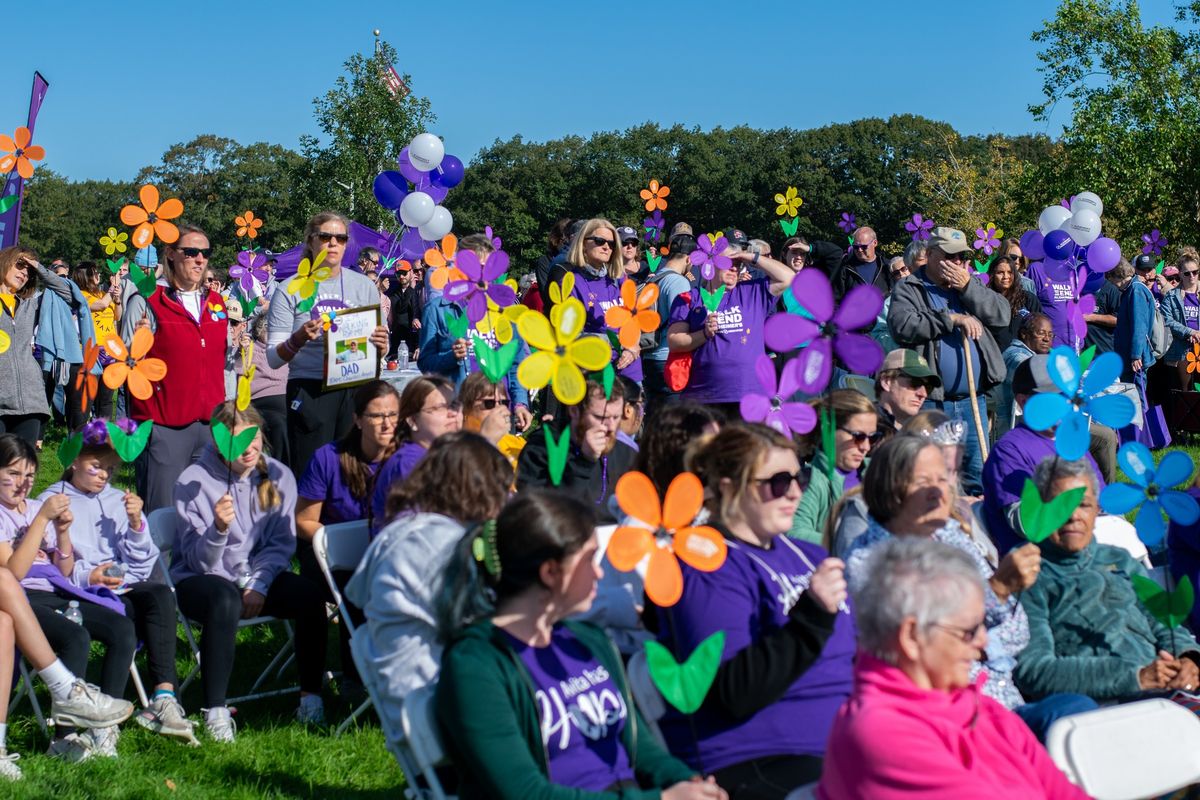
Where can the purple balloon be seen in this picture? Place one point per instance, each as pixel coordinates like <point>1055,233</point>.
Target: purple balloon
<point>429,187</point>
<point>1103,254</point>
<point>449,173</point>
<point>1093,283</point>
<point>412,245</point>
<point>390,189</point>
<point>408,170</point>
<point>1058,245</point>
<point>1031,245</point>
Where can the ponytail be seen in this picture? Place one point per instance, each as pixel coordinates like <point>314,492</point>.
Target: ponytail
<point>268,493</point>
<point>228,414</point>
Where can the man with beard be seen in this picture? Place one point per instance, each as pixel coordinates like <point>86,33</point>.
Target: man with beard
<point>404,322</point>
<point>902,387</point>
<point>595,458</point>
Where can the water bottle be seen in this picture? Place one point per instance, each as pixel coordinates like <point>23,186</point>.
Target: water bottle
<point>73,613</point>
<point>402,356</point>
<point>115,570</point>
<point>244,576</point>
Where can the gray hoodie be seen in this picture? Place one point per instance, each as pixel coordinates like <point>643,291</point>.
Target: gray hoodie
<point>258,543</point>
<point>22,388</point>
<point>101,533</point>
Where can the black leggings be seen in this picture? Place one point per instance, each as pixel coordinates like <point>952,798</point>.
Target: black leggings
<point>24,426</point>
<point>151,606</point>
<point>769,777</point>
<point>72,642</point>
<point>216,604</point>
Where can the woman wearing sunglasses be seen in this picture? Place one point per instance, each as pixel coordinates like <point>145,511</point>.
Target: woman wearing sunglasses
<point>190,330</point>
<point>1181,312</point>
<point>297,338</point>
<point>485,407</point>
<point>781,603</point>
<point>1006,281</point>
<point>857,432</point>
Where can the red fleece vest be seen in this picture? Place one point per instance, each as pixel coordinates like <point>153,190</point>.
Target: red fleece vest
<point>195,356</point>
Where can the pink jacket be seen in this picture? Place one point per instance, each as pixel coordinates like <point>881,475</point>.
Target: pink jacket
<point>894,740</point>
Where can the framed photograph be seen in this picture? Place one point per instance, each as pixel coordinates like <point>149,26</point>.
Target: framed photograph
<point>350,358</point>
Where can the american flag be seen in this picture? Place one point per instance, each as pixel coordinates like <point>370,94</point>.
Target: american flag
<point>393,82</point>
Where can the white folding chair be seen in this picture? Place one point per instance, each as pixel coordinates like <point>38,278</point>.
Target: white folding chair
<point>1143,749</point>
<point>341,547</point>
<point>25,689</point>
<point>164,526</point>
<point>421,734</point>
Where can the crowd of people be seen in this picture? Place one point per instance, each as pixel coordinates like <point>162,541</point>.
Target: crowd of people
<point>885,626</point>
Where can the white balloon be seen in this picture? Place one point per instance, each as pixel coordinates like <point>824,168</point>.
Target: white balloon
<point>1052,218</point>
<point>416,209</point>
<point>426,151</point>
<point>1084,227</point>
<point>438,225</point>
<point>1089,201</point>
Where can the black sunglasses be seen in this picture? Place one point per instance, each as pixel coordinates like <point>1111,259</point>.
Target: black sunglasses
<point>192,252</point>
<point>859,437</point>
<point>866,246</point>
<point>489,403</point>
<point>779,483</point>
<point>1191,272</point>
<point>328,237</point>
<point>600,241</point>
<point>629,243</point>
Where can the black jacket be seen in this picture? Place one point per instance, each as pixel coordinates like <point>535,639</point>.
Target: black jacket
<point>846,276</point>
<point>591,481</point>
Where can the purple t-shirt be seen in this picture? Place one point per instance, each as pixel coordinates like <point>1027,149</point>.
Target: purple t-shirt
<point>14,524</point>
<point>394,470</point>
<point>1191,311</point>
<point>1056,291</point>
<point>322,482</point>
<point>598,295</point>
<point>582,712</point>
<point>749,597</point>
<point>723,367</point>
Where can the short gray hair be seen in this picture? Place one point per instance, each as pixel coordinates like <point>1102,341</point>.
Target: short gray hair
<point>1053,469</point>
<point>914,251</point>
<point>1121,271</point>
<point>909,576</point>
<point>889,473</point>
<point>896,262</point>
<point>759,246</point>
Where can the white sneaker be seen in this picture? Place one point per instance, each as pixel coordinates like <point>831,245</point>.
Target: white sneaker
<point>219,724</point>
<point>88,707</point>
<point>72,748</point>
<point>165,716</point>
<point>8,765</point>
<point>104,741</point>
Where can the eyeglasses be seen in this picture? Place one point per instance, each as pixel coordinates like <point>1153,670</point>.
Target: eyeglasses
<point>896,273</point>
<point>374,262</point>
<point>910,382</point>
<point>453,408</point>
<point>193,252</point>
<point>489,403</point>
<point>381,416</point>
<point>866,246</point>
<point>1042,334</point>
<point>600,241</point>
<point>779,483</point>
<point>328,237</point>
<point>1191,272</point>
<point>964,635</point>
<point>629,243</point>
<point>958,258</point>
<point>859,437</point>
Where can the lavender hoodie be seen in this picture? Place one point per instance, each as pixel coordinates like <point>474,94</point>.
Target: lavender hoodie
<point>101,533</point>
<point>263,540</point>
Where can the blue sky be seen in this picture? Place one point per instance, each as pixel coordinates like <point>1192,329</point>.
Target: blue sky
<point>129,79</point>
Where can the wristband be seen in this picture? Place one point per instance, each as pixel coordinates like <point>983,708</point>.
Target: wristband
<point>754,261</point>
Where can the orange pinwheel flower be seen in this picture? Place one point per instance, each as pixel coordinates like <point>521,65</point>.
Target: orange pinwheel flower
<point>442,262</point>
<point>655,196</point>
<point>1193,359</point>
<point>248,224</point>
<point>132,367</point>
<point>85,382</point>
<point>700,547</point>
<point>19,153</point>
<point>635,315</point>
<point>151,218</point>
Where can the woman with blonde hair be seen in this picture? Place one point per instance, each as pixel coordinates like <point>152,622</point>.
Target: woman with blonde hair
<point>232,561</point>
<point>296,338</point>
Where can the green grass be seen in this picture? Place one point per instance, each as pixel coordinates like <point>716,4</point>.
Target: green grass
<point>273,757</point>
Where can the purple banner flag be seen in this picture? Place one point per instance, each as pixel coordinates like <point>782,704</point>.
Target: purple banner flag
<point>10,220</point>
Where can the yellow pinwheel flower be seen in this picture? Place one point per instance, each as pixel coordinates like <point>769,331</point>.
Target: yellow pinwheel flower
<point>244,383</point>
<point>500,320</point>
<point>5,342</point>
<point>559,356</point>
<point>789,204</point>
<point>559,294</point>
<point>308,276</point>
<point>114,242</point>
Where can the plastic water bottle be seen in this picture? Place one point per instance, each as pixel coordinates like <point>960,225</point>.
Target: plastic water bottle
<point>73,613</point>
<point>402,356</point>
<point>244,576</point>
<point>115,570</point>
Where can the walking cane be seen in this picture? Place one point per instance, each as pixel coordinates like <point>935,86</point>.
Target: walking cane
<point>983,448</point>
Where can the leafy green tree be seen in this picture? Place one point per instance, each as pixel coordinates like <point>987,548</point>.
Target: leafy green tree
<point>62,218</point>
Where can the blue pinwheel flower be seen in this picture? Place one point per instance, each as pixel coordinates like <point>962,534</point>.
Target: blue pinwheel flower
<point>1150,491</point>
<point>1082,399</point>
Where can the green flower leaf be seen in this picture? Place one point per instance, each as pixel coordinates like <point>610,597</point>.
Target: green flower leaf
<point>556,453</point>
<point>143,280</point>
<point>114,264</point>
<point>495,364</point>
<point>456,323</point>
<point>712,300</point>
<point>304,306</point>
<point>1169,608</point>
<point>129,445</point>
<point>229,446</point>
<point>1085,358</point>
<point>789,226</point>
<point>685,685</point>
<point>7,202</point>
<point>69,450</point>
<point>653,260</point>
<point>983,266</point>
<point>1040,519</point>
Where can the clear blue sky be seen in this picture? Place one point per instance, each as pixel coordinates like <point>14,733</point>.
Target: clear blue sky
<point>129,79</point>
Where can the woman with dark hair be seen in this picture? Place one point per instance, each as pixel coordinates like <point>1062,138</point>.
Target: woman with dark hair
<point>1006,281</point>
<point>105,304</point>
<point>23,404</point>
<point>558,240</point>
<point>669,432</point>
<point>559,720</point>
<point>428,409</point>
<point>190,334</point>
<point>464,479</point>
<point>485,407</point>
<point>296,338</point>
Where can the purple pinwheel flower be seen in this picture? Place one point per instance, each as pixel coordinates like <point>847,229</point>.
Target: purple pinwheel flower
<point>1154,242</point>
<point>654,225</point>
<point>987,240</point>
<point>478,287</point>
<point>1067,202</point>
<point>95,432</point>
<point>1081,400</point>
<point>496,241</point>
<point>829,331</point>
<point>1152,491</point>
<point>128,426</point>
<point>848,222</point>
<point>709,256</point>
<point>919,227</point>
<point>773,408</point>
<point>251,273</point>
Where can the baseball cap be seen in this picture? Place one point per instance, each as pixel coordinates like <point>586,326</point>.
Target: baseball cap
<point>1171,272</point>
<point>1144,262</point>
<point>681,228</point>
<point>948,240</point>
<point>1033,377</point>
<point>911,363</point>
<point>625,233</point>
<point>233,310</point>
<point>738,237</point>
<point>146,257</point>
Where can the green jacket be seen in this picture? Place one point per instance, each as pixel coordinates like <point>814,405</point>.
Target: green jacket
<point>1088,632</point>
<point>818,501</point>
<point>490,725</point>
